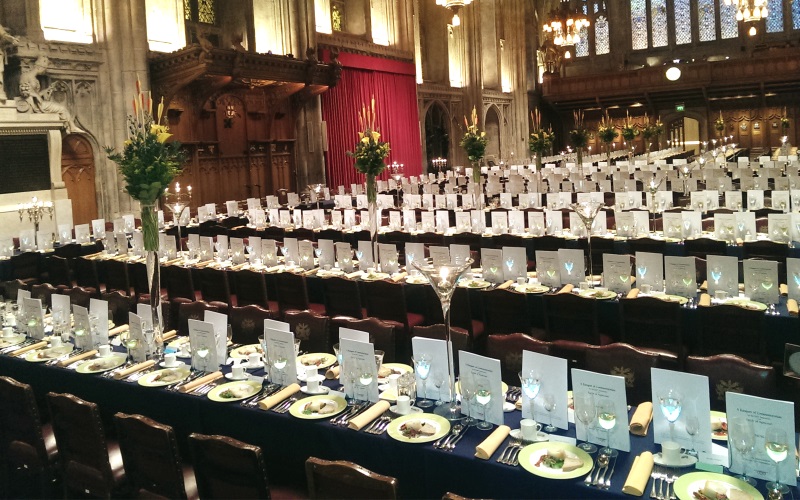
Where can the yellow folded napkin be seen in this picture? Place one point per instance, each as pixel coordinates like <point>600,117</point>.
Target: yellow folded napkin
<point>116,331</point>
<point>705,300</point>
<point>144,365</point>
<point>489,445</point>
<point>633,293</point>
<point>309,272</point>
<point>567,289</point>
<point>739,241</point>
<point>169,335</point>
<point>641,419</point>
<point>23,350</point>
<point>784,289</point>
<point>791,305</point>
<point>201,265</point>
<point>399,277</point>
<point>173,261</point>
<point>78,357</point>
<point>332,373</point>
<point>194,384</point>
<point>368,416</point>
<point>636,482</point>
<point>239,266</point>
<point>282,395</point>
<point>505,285</point>
<point>704,285</point>
<point>354,274</point>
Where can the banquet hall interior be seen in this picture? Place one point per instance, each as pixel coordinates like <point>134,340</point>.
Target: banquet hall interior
<point>470,191</point>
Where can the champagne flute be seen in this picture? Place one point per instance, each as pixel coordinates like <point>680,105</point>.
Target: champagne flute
<point>777,445</point>
<point>742,435</point>
<point>550,406</point>
<point>202,352</point>
<point>586,412</point>
<point>422,364</point>
<point>671,405</point>
<point>607,418</point>
<point>483,395</point>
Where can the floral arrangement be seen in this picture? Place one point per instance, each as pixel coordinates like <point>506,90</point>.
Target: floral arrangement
<point>629,130</point>
<point>719,123</point>
<point>370,150</point>
<point>148,162</point>
<point>474,143</point>
<point>579,136</point>
<point>651,130</point>
<point>541,140</point>
<point>606,130</point>
<point>784,120</point>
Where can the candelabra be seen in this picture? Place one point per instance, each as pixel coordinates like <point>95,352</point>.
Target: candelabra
<point>396,172</point>
<point>317,190</point>
<point>35,210</point>
<point>177,202</point>
<point>439,163</point>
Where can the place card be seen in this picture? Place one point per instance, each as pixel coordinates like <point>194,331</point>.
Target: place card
<point>80,322</point>
<point>492,265</point>
<point>232,208</point>
<point>359,373</point>
<point>746,225</point>
<point>365,260</point>
<point>27,240</point>
<point>763,414</point>
<point>547,268</point>
<point>290,249</point>
<point>555,222</point>
<point>680,276</point>
<point>516,221</point>
<point>723,274</point>
<point>427,199</point>
<point>387,253</point>
<point>305,252</point>
<point>435,353</point>
<point>34,316</point>
<point>478,220</point>
<point>206,345</point>
<point>99,229</point>
<point>499,222</point>
<point>755,199</point>
<point>98,311</point>
<point>617,272</point>
<point>679,397</point>
<point>551,373</point>
<point>650,270</point>
<point>145,313</point>
<point>793,277</point>
<point>515,263</point>
<point>459,253</point>
<point>571,266</point>
<point>625,225</point>
<point>279,356</point>
<point>202,214</point>
<point>780,200</point>
<point>761,280</point>
<point>609,389</point>
<point>725,227</point>
<point>206,248</point>
<point>483,374</point>
<point>452,201</point>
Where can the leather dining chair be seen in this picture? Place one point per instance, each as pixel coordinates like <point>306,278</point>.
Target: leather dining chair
<point>227,468</point>
<point>382,334</point>
<point>653,324</point>
<point>25,267</point>
<point>79,296</point>
<point>43,292</point>
<point>118,277</point>
<point>730,329</point>
<point>151,458</point>
<point>730,373</point>
<point>629,362</point>
<point>386,300</point>
<point>251,288</point>
<point>572,317</point>
<point>703,247</point>
<point>28,452</point>
<point>86,276</point>
<point>460,313</point>
<point>119,305</point>
<point>292,291</point>
<point>342,297</point>
<point>88,464</point>
<point>508,350</point>
<point>247,323</point>
<point>312,329</point>
<point>179,283</point>
<point>194,310</point>
<point>59,273</point>
<point>215,286</point>
<point>341,479</point>
<point>505,311</point>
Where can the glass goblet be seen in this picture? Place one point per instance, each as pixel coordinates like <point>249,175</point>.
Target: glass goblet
<point>777,444</point>
<point>422,364</point>
<point>550,406</point>
<point>586,413</point>
<point>743,438</point>
<point>483,395</point>
<point>607,419</point>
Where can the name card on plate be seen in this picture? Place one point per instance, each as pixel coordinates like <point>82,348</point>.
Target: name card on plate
<point>761,280</point>
<point>608,391</point>
<point>484,375</point>
<point>681,277</point>
<point>617,272</point>
<point>723,274</point>
<point>33,314</point>
<point>551,374</point>
<point>359,369</point>
<point>431,357</point>
<point>650,270</point>
<point>280,355</point>
<point>206,345</point>
<point>765,416</point>
<point>98,311</point>
<point>571,266</point>
<point>682,398</point>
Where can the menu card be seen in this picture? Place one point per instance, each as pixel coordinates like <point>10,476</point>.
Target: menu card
<point>673,224</point>
<point>603,387</point>
<point>515,263</point>
<point>793,275</point>
<point>761,280</point>
<point>723,274</point>
<point>387,253</point>
<point>625,225</point>
<point>395,220</point>
<point>269,252</point>
<point>571,266</point>
<point>780,200</point>
<point>99,309</point>
<point>349,218</point>
<point>305,251</point>
<point>414,252</point>
<point>689,399</point>
<point>33,314</point>
<point>499,222</point>
<point>237,249</point>
<point>146,315</point>
<point>99,228</point>
<point>617,272</point>
<point>442,220</point>
<point>755,199</point>
<point>779,227</point>
<point>763,414</point>
<point>551,372</point>
<point>725,226</point>
<point>80,321</point>
<point>327,256</point>
<point>359,370</point>
<point>344,256</point>
<point>292,252</point>
<point>82,233</point>
<point>435,351</point>
<point>139,353</point>
<point>452,201</point>
<point>459,253</point>
<point>428,221</point>
<point>492,265</point>
<point>439,255</point>
<point>463,222</point>
<point>733,199</point>
<point>692,223</point>
<point>516,221</point>
<point>280,356</point>
<point>680,276</point>
<point>484,375</point>
<point>650,270</point>
<point>547,265</point>
<point>45,239</point>
<point>336,219</point>
<point>536,223</point>
<point>554,222</point>
<point>27,240</point>
<point>365,261</point>
<point>478,219</point>
<point>206,248</point>
<point>206,345</point>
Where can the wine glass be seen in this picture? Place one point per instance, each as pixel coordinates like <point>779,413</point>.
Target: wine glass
<point>586,412</point>
<point>467,395</point>
<point>641,270</point>
<point>510,264</point>
<point>742,435</point>
<point>422,364</point>
<point>279,362</point>
<point>690,284</point>
<point>607,418</point>
<point>438,382</point>
<point>550,405</point>
<point>483,395</point>
<point>365,378</point>
<point>777,445</point>
<point>671,405</point>
<point>692,428</point>
<point>531,383</point>
<point>202,352</point>
<point>359,256</point>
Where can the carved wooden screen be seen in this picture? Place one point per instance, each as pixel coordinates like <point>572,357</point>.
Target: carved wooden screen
<point>77,170</point>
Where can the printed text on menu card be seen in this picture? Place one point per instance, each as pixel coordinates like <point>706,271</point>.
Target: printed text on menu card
<point>204,345</point>
<point>281,357</point>
<point>358,360</point>
<point>604,387</point>
<point>552,375</point>
<point>485,374</point>
<point>436,352</point>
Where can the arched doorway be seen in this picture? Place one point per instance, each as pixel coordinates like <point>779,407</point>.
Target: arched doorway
<point>437,134</point>
<point>77,170</point>
<point>493,135</point>
<point>685,132</point>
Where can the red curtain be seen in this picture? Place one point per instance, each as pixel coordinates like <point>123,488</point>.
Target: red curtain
<point>393,85</point>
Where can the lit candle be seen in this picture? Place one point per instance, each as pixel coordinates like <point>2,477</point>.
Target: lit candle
<point>189,188</point>
<point>177,187</point>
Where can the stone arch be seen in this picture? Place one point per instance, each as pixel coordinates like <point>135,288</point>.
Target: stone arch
<point>493,119</point>
<point>437,132</point>
<point>78,174</point>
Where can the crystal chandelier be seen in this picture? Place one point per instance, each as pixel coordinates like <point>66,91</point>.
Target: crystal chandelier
<point>750,11</point>
<point>455,6</point>
<point>565,24</point>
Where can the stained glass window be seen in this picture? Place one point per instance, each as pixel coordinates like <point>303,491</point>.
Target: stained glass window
<point>775,17</point>
<point>706,20</point>
<point>796,14</point>
<point>728,25</point>
<point>337,15</point>
<point>639,24</point>
<point>206,12</point>
<point>658,17</point>
<point>601,40</point>
<point>582,47</point>
<point>683,22</point>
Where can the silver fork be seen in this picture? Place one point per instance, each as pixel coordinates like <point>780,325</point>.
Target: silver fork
<point>670,488</point>
<point>588,480</point>
<point>505,457</point>
<point>607,484</point>
<point>655,475</point>
<point>377,425</point>
<point>286,405</point>
<point>384,426</point>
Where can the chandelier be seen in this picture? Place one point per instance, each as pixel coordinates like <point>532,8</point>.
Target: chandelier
<point>565,25</point>
<point>455,6</point>
<point>749,11</point>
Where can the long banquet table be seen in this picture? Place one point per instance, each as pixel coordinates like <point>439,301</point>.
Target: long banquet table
<point>421,470</point>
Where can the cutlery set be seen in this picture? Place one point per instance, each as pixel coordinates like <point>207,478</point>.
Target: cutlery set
<point>203,389</point>
<point>266,392</point>
<point>600,469</point>
<point>177,385</point>
<point>510,455</point>
<point>111,373</point>
<point>355,410</point>
<point>664,489</point>
<point>379,425</point>
<point>65,356</point>
<point>22,344</point>
<point>449,442</point>
<point>284,406</point>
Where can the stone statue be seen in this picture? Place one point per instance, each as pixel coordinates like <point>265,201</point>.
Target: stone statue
<point>32,99</point>
<point>6,41</point>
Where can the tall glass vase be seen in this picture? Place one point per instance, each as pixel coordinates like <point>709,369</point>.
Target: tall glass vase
<point>444,278</point>
<point>587,211</point>
<point>372,205</point>
<point>579,154</point>
<point>150,237</point>
<point>477,188</point>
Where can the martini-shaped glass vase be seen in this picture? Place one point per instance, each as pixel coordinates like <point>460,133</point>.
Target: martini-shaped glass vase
<point>587,211</point>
